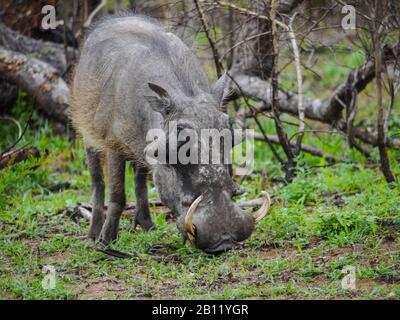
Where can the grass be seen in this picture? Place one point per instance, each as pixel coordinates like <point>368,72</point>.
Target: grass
<point>329,218</point>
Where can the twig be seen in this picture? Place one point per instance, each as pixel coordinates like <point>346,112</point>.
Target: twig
<point>241,42</point>
<point>251,13</point>
<point>94,12</point>
<point>300,105</point>
<point>304,147</point>
<point>16,122</point>
<point>290,163</point>
<point>115,253</point>
<point>210,40</point>
<point>385,166</point>
<point>85,209</point>
<point>254,115</point>
<point>17,156</point>
<point>20,135</point>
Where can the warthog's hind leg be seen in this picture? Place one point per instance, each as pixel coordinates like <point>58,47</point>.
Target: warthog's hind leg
<point>142,211</point>
<point>116,172</point>
<point>96,173</point>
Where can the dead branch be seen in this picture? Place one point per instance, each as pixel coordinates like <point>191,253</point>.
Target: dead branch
<point>304,147</point>
<point>85,209</point>
<point>256,57</point>
<point>39,80</point>
<point>206,29</point>
<point>299,76</point>
<point>94,13</point>
<point>381,118</point>
<point>325,110</point>
<point>280,6</point>
<point>17,124</point>
<point>17,156</point>
<point>129,206</point>
<point>315,109</point>
<point>20,133</point>
<point>289,165</point>
<point>253,114</point>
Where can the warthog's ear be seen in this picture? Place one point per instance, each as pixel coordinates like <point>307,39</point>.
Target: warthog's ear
<point>219,89</point>
<point>162,102</point>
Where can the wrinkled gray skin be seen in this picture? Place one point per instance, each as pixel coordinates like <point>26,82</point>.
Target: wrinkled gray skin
<point>133,76</point>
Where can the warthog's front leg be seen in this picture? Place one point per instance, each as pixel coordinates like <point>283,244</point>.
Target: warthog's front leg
<point>116,171</point>
<point>142,212</point>
<point>96,173</point>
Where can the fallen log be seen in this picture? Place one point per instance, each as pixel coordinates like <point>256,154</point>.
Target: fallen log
<point>50,52</point>
<point>315,109</point>
<point>39,79</point>
<point>46,51</point>
<point>325,110</point>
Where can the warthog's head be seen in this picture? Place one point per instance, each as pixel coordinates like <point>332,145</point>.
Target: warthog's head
<point>192,172</point>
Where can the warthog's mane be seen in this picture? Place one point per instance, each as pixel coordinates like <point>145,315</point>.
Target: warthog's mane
<point>118,15</point>
<point>183,65</point>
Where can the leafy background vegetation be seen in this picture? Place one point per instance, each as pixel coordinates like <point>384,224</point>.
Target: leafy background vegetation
<point>330,217</point>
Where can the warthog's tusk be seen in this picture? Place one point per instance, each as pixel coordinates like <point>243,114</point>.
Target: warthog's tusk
<point>189,227</point>
<point>262,212</point>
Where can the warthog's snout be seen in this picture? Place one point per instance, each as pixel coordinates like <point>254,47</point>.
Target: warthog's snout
<point>214,223</point>
<point>225,244</point>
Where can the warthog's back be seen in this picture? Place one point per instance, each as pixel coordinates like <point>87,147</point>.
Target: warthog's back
<point>118,60</point>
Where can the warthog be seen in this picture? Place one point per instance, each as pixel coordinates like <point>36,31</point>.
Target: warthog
<point>134,76</point>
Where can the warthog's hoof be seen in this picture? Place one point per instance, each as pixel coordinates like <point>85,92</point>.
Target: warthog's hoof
<point>96,225</point>
<point>146,226</point>
<point>109,232</point>
<point>145,222</point>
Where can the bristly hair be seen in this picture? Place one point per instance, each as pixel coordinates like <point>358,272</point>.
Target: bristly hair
<point>133,13</point>
<point>159,43</point>
<point>119,14</point>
